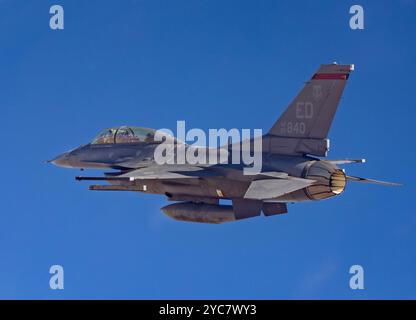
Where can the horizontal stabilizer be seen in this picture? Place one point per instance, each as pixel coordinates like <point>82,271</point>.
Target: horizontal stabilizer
<point>273,188</point>
<point>384,183</point>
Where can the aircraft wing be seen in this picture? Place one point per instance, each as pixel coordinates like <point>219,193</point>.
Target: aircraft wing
<point>169,172</point>
<point>273,188</point>
<point>158,172</point>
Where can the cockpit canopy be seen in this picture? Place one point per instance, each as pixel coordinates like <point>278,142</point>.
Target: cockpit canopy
<point>124,134</point>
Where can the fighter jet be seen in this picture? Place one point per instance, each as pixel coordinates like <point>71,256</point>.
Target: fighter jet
<point>293,167</point>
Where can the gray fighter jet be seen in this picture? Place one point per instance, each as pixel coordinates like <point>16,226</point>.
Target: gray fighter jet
<point>292,167</point>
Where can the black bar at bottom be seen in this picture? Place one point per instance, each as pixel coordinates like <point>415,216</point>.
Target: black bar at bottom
<point>207,309</point>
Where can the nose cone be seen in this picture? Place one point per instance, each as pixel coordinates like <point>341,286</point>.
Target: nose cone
<point>62,160</point>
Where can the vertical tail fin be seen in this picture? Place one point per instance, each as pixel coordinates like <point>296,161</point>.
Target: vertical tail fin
<point>304,126</point>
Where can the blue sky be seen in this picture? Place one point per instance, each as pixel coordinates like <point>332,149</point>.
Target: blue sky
<point>215,64</point>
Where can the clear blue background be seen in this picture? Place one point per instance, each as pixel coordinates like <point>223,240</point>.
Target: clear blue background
<point>215,64</point>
